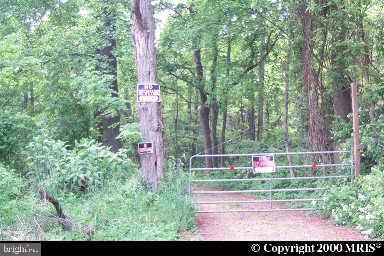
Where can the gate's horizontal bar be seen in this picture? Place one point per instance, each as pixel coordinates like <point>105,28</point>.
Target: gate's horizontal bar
<point>310,165</point>
<point>277,153</point>
<point>260,210</point>
<point>256,190</point>
<point>260,201</point>
<point>221,168</point>
<point>273,178</point>
<point>277,167</point>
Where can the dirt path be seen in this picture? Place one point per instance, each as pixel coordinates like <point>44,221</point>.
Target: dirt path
<point>280,225</point>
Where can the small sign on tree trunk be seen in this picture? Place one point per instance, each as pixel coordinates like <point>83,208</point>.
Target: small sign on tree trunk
<point>145,148</point>
<point>263,163</point>
<point>148,93</point>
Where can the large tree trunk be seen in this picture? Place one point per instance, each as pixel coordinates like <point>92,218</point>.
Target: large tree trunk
<point>189,130</point>
<point>110,121</point>
<point>177,147</point>
<point>251,115</point>
<point>32,99</point>
<point>204,109</point>
<point>192,106</point>
<point>260,117</point>
<point>286,113</point>
<point>251,97</point>
<point>225,103</point>
<point>204,118</point>
<point>223,128</point>
<point>196,123</point>
<point>151,123</point>
<point>318,132</point>
<point>214,107</point>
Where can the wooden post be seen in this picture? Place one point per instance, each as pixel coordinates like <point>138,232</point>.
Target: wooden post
<point>356,138</point>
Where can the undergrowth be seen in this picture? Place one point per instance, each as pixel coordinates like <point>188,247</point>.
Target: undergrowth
<point>99,190</point>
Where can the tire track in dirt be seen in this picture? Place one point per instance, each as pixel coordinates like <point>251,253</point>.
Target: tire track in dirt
<point>278,225</point>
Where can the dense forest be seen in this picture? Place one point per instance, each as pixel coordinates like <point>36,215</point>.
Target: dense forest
<point>235,76</point>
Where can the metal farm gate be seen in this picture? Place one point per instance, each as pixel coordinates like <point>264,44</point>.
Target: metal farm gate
<point>295,180</point>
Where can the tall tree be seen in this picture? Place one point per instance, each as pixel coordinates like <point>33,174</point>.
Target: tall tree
<point>204,108</point>
<point>214,106</point>
<point>225,96</point>
<point>151,123</point>
<point>318,132</point>
<point>260,114</point>
<point>110,123</point>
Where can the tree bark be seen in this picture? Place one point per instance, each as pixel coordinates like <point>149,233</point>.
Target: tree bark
<point>65,221</point>
<point>204,108</point>
<point>318,132</point>
<point>286,113</point>
<point>356,135</point>
<point>151,123</point>
<point>196,123</point>
<point>214,107</point>
<point>225,104</point>
<point>251,115</point>
<point>260,117</point>
<point>32,99</point>
<point>110,123</point>
<point>177,148</point>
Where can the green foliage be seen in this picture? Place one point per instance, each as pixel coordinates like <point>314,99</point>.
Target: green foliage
<point>341,204</point>
<point>84,168</point>
<point>120,210</point>
<point>15,133</point>
<point>13,196</point>
<point>360,205</point>
<point>130,135</point>
<point>52,74</point>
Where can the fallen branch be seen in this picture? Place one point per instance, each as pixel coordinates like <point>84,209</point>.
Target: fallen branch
<point>65,221</point>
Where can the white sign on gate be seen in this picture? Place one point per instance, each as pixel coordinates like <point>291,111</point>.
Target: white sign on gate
<point>148,92</point>
<point>263,163</point>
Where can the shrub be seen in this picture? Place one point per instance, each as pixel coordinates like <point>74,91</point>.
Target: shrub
<point>130,135</point>
<point>360,205</point>
<point>371,196</point>
<point>15,133</point>
<point>120,210</point>
<point>86,167</point>
<point>13,192</point>
<point>117,207</point>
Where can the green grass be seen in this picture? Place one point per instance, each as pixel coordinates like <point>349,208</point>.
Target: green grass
<point>120,210</point>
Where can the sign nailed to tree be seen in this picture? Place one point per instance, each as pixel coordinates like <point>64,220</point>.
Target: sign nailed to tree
<point>263,163</point>
<point>148,92</point>
<point>145,148</point>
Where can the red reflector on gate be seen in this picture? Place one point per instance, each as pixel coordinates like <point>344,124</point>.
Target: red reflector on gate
<point>314,166</point>
<point>231,168</point>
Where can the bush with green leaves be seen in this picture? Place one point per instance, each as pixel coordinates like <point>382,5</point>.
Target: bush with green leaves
<point>14,195</point>
<point>85,167</point>
<point>117,206</point>
<point>122,209</point>
<point>130,135</point>
<point>371,196</point>
<point>341,205</point>
<point>360,205</point>
<point>15,133</point>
